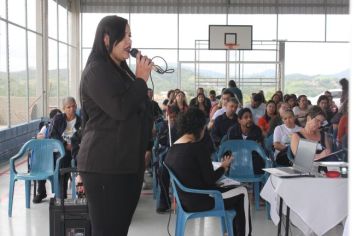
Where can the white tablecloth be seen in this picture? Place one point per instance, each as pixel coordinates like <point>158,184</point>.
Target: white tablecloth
<point>317,204</point>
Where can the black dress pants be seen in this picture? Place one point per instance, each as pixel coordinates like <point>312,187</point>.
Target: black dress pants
<point>112,200</point>
<point>164,180</point>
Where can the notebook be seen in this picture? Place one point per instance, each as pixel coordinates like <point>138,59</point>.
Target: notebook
<point>303,161</point>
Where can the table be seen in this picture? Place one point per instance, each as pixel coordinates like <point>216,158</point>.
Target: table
<point>316,205</point>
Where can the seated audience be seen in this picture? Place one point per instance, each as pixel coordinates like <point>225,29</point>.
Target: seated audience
<point>219,96</point>
<point>157,112</point>
<point>236,91</point>
<point>214,108</point>
<point>224,99</point>
<point>342,129</point>
<point>332,104</point>
<point>277,120</point>
<point>270,113</point>
<point>190,161</point>
<point>257,107</point>
<point>213,99</point>
<point>180,101</point>
<point>225,121</point>
<point>276,98</point>
<point>263,96</point>
<point>291,99</point>
<point>280,93</point>
<point>202,103</point>
<point>194,100</point>
<point>247,130</point>
<point>311,131</point>
<point>165,139</point>
<point>301,110</point>
<point>66,128</point>
<point>44,131</point>
<point>323,103</point>
<point>345,90</point>
<point>168,101</point>
<point>282,135</point>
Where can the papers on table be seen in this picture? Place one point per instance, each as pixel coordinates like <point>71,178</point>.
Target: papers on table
<point>225,181</point>
<point>216,164</point>
<point>332,163</point>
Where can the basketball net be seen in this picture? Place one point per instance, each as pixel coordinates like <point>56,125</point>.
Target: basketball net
<point>230,46</point>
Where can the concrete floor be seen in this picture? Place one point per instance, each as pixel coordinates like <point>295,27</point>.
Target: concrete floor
<point>35,221</point>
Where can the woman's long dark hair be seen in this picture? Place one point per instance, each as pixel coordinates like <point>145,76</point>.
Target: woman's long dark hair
<point>114,27</point>
<point>266,116</point>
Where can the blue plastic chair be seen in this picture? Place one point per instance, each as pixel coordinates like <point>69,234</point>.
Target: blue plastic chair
<point>42,167</point>
<point>290,155</point>
<point>241,168</point>
<point>73,176</point>
<point>226,216</point>
<point>268,143</point>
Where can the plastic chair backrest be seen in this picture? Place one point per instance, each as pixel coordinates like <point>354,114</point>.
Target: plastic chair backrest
<point>242,166</point>
<point>268,143</point>
<point>176,184</point>
<point>42,150</point>
<point>224,138</point>
<point>290,155</point>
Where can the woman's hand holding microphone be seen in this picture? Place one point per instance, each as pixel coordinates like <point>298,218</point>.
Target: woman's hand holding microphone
<point>143,66</point>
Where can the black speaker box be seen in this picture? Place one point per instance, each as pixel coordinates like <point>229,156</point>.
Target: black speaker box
<point>69,217</point>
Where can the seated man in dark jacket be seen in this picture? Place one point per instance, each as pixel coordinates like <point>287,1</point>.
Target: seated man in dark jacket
<point>225,121</point>
<point>64,127</point>
<point>246,129</point>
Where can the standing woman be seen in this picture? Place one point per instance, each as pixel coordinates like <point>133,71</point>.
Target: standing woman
<point>117,121</point>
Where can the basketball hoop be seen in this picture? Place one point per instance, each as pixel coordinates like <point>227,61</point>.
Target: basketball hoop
<point>231,46</point>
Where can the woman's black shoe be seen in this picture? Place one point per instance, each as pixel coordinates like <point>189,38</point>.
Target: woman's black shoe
<point>162,210</point>
<point>38,198</point>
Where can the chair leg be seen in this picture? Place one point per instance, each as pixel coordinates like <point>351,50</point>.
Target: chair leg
<point>73,186</point>
<point>28,192</point>
<point>224,226</point>
<point>256,187</point>
<point>268,209</point>
<point>57,189</point>
<point>230,215</point>
<point>180,224</point>
<point>11,196</point>
<point>52,185</point>
<point>34,188</point>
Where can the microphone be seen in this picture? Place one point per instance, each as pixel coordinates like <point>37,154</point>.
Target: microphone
<point>156,68</point>
<point>133,52</point>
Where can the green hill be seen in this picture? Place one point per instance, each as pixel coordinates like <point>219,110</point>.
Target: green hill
<point>294,83</point>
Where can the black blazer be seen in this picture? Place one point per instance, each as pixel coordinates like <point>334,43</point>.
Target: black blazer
<point>117,120</point>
